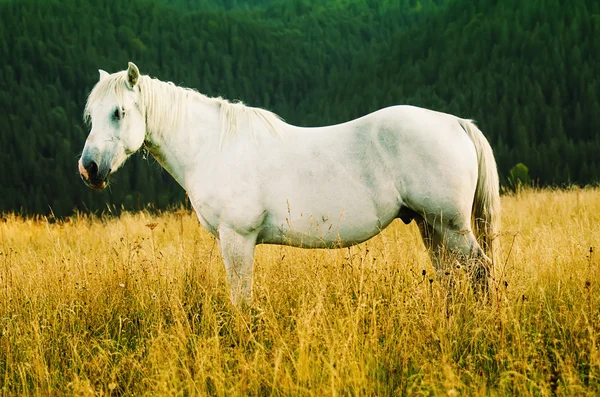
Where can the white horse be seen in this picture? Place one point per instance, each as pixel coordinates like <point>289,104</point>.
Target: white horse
<point>254,179</point>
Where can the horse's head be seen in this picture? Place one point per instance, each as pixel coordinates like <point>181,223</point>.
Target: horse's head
<point>116,115</point>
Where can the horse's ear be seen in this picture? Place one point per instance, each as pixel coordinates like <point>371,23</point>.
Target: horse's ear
<point>103,74</point>
<point>133,75</point>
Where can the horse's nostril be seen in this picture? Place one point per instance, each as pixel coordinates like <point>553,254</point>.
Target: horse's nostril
<point>92,168</point>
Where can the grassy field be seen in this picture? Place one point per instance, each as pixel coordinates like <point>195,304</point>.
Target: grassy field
<point>138,306</point>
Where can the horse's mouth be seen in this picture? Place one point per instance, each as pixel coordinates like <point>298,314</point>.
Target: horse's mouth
<point>95,184</point>
<point>99,186</point>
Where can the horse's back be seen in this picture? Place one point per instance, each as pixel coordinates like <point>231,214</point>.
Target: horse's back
<point>349,181</point>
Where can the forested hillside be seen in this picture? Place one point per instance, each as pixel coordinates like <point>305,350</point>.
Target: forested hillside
<point>528,72</point>
<point>204,5</point>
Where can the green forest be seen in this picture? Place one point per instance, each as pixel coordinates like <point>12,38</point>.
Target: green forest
<point>528,72</point>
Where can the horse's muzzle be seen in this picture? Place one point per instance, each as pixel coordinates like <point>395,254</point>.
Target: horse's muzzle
<point>90,174</point>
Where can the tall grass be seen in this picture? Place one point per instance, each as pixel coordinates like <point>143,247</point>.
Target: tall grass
<point>138,305</point>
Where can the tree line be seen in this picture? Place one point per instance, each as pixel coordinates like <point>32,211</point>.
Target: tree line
<point>527,72</point>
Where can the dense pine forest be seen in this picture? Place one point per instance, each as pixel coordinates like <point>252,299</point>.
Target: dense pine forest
<point>527,71</point>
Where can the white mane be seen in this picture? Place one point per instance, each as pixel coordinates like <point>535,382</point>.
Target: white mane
<point>166,105</point>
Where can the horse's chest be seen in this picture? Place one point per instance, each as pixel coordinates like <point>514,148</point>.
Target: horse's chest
<point>226,200</point>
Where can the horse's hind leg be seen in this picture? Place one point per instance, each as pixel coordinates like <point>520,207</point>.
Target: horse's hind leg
<point>459,241</point>
<point>432,241</point>
<point>450,239</point>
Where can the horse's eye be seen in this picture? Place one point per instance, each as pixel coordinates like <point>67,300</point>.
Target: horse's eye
<point>118,114</point>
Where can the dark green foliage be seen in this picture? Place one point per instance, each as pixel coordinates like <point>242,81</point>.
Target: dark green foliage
<point>204,5</point>
<point>518,177</point>
<point>526,71</point>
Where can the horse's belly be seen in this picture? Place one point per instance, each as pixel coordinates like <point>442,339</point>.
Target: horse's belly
<point>323,232</point>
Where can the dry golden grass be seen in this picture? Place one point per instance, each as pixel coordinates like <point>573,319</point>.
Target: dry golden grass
<point>138,305</point>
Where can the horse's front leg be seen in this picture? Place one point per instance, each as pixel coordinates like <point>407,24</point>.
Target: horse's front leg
<point>237,250</point>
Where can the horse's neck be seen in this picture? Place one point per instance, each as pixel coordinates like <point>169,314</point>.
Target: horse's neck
<point>179,147</point>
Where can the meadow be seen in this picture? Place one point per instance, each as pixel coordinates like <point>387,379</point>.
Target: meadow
<point>138,305</point>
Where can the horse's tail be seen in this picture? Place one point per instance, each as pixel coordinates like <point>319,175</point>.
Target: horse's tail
<point>486,204</point>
